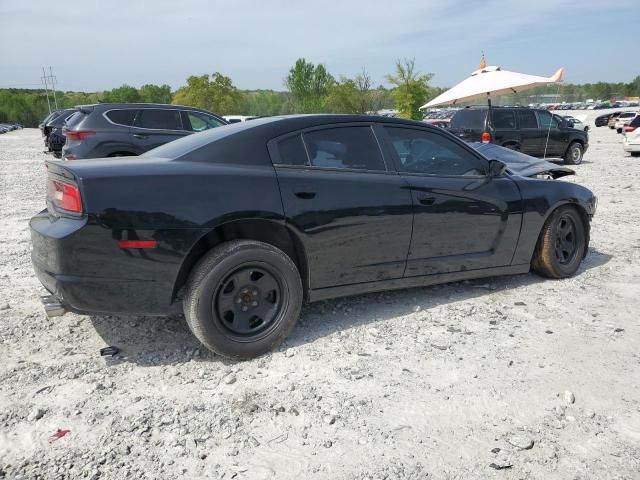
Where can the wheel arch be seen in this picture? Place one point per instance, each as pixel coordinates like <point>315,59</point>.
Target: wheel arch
<point>584,215</point>
<point>268,231</point>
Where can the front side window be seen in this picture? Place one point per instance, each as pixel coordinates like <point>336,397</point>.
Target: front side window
<point>159,119</point>
<point>547,120</point>
<point>122,117</point>
<point>527,119</point>
<point>345,147</point>
<point>200,121</point>
<point>432,154</point>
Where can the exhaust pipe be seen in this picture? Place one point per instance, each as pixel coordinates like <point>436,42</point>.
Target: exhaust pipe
<point>52,306</point>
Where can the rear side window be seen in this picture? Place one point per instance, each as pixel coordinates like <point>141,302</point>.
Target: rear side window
<point>346,147</point>
<point>468,118</point>
<point>292,151</point>
<point>527,119</point>
<point>159,119</point>
<point>504,119</point>
<point>122,117</point>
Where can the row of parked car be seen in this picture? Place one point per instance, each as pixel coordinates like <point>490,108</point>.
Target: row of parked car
<point>626,123</point>
<point>8,127</point>
<point>113,130</point>
<point>117,130</point>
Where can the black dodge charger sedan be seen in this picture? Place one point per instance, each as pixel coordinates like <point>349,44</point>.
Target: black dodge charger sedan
<point>242,223</point>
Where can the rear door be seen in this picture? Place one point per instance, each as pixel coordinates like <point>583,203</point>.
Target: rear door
<point>353,214</point>
<point>156,126</point>
<point>505,128</point>
<point>530,134</point>
<point>464,219</point>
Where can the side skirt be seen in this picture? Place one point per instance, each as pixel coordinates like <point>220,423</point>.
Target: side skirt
<point>410,282</point>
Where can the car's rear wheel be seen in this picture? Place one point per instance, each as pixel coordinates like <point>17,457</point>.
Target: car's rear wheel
<point>574,154</point>
<point>561,245</point>
<point>243,298</point>
<point>619,130</point>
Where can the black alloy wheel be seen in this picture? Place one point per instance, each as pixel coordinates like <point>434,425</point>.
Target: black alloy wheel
<point>243,298</point>
<point>249,300</point>
<point>566,241</point>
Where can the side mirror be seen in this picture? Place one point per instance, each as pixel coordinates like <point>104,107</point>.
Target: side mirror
<point>496,168</point>
<point>569,124</point>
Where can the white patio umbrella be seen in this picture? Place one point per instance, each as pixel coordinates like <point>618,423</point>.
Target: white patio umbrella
<point>491,81</point>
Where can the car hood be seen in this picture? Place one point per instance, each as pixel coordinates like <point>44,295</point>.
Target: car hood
<point>519,163</point>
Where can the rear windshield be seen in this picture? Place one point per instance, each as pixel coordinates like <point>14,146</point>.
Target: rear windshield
<point>467,118</point>
<point>75,119</point>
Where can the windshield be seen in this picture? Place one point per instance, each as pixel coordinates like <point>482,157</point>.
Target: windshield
<point>468,118</point>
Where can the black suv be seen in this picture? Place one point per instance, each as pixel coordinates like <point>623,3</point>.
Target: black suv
<point>116,130</point>
<point>531,131</point>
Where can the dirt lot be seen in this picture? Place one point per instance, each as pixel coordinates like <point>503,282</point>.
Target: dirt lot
<point>539,376</point>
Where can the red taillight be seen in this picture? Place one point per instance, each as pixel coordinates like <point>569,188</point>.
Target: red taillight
<point>137,243</point>
<point>486,137</point>
<point>78,135</point>
<point>629,129</point>
<point>65,196</point>
<point>70,157</point>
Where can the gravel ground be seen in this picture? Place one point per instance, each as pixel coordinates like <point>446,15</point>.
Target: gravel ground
<point>511,378</point>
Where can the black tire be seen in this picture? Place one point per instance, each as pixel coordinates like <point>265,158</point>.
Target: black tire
<point>243,298</point>
<point>635,154</point>
<point>618,130</point>
<point>512,146</point>
<point>574,154</point>
<point>561,245</point>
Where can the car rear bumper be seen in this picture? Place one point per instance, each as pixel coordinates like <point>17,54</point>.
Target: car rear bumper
<point>631,146</point>
<point>82,266</point>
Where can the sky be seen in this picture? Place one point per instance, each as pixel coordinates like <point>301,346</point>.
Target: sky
<point>96,45</point>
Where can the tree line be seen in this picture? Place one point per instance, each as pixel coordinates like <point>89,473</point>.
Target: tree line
<point>310,88</point>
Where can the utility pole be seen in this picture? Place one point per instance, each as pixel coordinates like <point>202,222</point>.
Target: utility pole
<point>44,80</point>
<point>53,85</point>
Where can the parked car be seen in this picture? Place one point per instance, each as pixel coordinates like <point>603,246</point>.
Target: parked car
<point>238,118</point>
<point>117,130</point>
<point>243,223</point>
<point>438,122</point>
<point>56,119</point>
<point>55,138</point>
<point>535,132</point>
<point>613,118</point>
<point>603,120</point>
<point>576,123</point>
<point>44,121</point>
<point>623,119</point>
<point>631,139</point>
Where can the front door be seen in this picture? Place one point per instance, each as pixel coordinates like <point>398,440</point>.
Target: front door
<point>555,138</point>
<point>353,214</point>
<point>463,219</point>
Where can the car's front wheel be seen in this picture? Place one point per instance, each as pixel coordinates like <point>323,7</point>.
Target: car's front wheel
<point>243,298</point>
<point>574,154</point>
<point>561,245</point>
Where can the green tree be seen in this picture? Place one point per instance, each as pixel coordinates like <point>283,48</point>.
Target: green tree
<point>215,93</point>
<point>351,96</point>
<point>411,89</point>
<point>309,85</point>
<point>155,93</point>
<point>123,94</point>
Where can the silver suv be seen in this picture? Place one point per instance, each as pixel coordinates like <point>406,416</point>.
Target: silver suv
<point>123,129</point>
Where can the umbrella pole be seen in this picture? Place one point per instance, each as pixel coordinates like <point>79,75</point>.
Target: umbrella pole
<point>489,115</point>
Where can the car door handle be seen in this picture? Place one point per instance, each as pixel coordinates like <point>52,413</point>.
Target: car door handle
<point>139,135</point>
<point>426,200</point>
<point>304,195</point>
